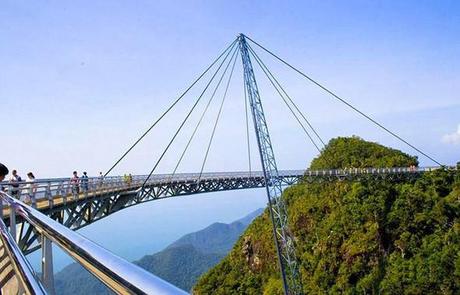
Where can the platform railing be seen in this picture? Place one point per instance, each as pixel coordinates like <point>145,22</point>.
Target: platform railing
<point>119,275</point>
<point>48,189</point>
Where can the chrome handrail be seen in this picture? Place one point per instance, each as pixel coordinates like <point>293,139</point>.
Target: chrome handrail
<point>22,268</point>
<point>50,187</point>
<point>119,275</point>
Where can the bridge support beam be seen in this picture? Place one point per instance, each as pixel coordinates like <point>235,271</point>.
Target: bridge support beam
<point>283,240</point>
<point>47,265</point>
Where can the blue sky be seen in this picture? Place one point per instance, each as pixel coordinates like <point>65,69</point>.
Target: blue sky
<point>81,80</point>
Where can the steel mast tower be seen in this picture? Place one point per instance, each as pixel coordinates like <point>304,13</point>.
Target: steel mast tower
<point>283,240</point>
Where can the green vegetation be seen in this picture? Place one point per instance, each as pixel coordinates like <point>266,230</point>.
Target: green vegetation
<point>367,237</point>
<point>348,152</point>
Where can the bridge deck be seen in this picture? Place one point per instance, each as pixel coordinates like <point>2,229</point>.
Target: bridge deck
<point>53,192</point>
<point>47,193</point>
<point>98,198</point>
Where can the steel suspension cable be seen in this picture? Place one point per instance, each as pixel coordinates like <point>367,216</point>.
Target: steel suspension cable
<point>260,61</point>
<point>186,118</point>
<point>345,102</point>
<point>203,114</point>
<point>247,129</point>
<point>217,118</point>
<point>284,100</point>
<point>169,108</point>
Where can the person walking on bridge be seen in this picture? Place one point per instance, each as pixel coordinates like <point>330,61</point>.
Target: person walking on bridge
<point>14,180</point>
<point>31,188</point>
<point>130,179</point>
<point>84,182</point>
<point>75,183</point>
<point>101,179</point>
<point>3,172</point>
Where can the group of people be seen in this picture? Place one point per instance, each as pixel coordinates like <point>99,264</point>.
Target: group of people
<point>16,185</point>
<point>15,180</point>
<point>128,179</point>
<point>82,182</point>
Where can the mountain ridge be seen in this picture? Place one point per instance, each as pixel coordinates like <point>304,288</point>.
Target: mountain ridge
<point>224,235</point>
<point>192,254</point>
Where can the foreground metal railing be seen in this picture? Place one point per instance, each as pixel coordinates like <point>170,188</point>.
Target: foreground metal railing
<point>26,278</point>
<point>116,273</point>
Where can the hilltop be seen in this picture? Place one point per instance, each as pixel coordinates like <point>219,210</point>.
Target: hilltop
<point>373,236</point>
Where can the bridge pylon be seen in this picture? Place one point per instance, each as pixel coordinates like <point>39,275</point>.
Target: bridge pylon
<point>283,238</point>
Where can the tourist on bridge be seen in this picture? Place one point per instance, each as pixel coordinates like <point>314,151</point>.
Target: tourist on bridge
<point>31,189</point>
<point>84,182</point>
<point>3,172</point>
<point>75,183</point>
<point>15,180</point>
<point>101,179</point>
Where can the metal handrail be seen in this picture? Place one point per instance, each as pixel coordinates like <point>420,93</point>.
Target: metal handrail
<point>119,275</point>
<point>50,187</point>
<point>22,268</point>
<point>192,176</point>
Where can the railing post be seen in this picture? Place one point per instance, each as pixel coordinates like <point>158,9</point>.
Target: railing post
<point>86,187</point>
<point>62,191</point>
<point>59,189</point>
<point>75,191</point>
<point>67,192</point>
<point>48,195</point>
<point>13,223</point>
<point>33,200</point>
<point>19,192</point>
<point>47,265</point>
<point>93,184</point>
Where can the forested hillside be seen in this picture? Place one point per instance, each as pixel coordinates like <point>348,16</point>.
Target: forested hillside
<point>369,237</point>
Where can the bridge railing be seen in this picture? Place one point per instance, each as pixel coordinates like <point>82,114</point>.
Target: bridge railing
<point>119,275</point>
<point>33,191</point>
<point>38,190</point>
<point>360,171</point>
<point>48,189</point>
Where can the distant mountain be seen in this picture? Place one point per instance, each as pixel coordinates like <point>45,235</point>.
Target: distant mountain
<point>218,237</point>
<point>181,263</point>
<point>186,259</point>
<point>248,219</point>
<point>74,279</point>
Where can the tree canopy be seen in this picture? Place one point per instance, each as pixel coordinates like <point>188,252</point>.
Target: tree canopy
<point>372,236</point>
<point>354,152</point>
